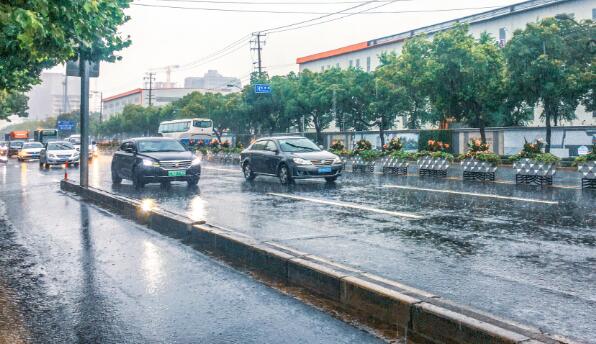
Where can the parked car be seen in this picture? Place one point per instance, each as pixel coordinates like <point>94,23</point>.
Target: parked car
<point>30,150</point>
<point>14,147</point>
<point>289,158</point>
<point>155,160</point>
<point>58,153</point>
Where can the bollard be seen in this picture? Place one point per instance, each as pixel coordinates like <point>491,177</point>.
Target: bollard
<point>66,171</point>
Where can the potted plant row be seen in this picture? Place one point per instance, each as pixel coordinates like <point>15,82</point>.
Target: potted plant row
<point>532,166</point>
<point>478,162</point>
<point>586,165</point>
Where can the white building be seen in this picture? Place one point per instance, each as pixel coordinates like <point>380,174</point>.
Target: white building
<point>55,94</point>
<point>500,23</point>
<point>140,96</point>
<point>212,80</point>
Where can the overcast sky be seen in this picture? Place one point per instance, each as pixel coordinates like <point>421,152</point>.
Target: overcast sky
<point>166,36</point>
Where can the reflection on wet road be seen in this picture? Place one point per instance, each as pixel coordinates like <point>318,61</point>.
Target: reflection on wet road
<point>73,273</point>
<point>526,254</point>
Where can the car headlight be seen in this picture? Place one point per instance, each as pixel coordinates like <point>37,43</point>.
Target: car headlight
<point>337,160</point>
<point>301,161</point>
<point>196,161</point>
<point>147,162</point>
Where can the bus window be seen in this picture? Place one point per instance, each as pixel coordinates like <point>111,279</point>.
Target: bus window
<point>202,124</point>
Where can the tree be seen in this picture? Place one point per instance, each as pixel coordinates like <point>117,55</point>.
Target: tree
<point>314,100</point>
<point>39,34</point>
<point>13,104</point>
<point>408,75</point>
<point>547,62</point>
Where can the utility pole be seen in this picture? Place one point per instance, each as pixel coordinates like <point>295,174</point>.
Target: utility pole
<point>258,46</point>
<point>150,77</point>
<point>84,151</point>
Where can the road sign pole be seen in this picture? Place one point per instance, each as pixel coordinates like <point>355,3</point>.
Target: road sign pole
<point>84,151</point>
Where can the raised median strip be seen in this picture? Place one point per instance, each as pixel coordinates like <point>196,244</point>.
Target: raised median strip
<point>416,315</point>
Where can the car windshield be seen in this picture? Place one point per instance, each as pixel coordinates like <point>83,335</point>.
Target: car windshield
<point>32,145</point>
<point>149,146</point>
<point>60,146</point>
<point>298,145</point>
<point>16,144</point>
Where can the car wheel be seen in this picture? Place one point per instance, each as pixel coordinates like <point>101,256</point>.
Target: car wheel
<point>247,170</point>
<point>284,175</point>
<point>192,181</point>
<point>116,178</point>
<point>46,165</point>
<point>331,179</point>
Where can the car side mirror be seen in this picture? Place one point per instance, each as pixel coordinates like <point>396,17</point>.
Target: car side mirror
<point>129,150</point>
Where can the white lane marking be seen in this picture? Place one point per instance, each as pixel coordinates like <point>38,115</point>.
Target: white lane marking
<point>531,200</point>
<point>348,205</point>
<point>221,169</point>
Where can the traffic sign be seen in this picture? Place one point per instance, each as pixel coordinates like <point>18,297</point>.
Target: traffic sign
<point>262,88</point>
<point>65,125</point>
<point>73,69</point>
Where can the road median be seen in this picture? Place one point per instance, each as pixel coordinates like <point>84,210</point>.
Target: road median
<point>416,315</point>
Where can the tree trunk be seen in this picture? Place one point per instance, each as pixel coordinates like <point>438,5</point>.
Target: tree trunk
<point>318,130</point>
<point>382,134</point>
<point>482,127</point>
<point>548,132</point>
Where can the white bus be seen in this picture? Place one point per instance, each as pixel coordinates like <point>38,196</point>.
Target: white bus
<point>187,130</point>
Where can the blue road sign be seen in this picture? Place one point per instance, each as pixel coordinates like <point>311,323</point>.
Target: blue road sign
<point>262,88</point>
<point>65,125</point>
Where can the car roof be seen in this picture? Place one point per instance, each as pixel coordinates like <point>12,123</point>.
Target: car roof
<point>156,138</point>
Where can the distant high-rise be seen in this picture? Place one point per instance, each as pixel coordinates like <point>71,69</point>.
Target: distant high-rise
<point>212,80</point>
<point>55,94</point>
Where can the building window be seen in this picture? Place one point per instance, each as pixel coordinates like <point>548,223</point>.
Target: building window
<point>357,63</point>
<point>502,37</point>
<point>351,63</point>
<point>368,64</point>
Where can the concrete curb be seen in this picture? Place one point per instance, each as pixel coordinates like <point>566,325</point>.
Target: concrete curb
<point>418,316</point>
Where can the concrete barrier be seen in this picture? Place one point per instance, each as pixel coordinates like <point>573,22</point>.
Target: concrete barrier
<point>416,315</point>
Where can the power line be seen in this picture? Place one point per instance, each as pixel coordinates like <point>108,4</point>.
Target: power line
<point>326,14</point>
<point>295,27</point>
<point>227,50</point>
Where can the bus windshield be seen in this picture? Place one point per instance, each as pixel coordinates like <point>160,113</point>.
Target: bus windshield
<point>202,124</point>
<point>175,127</point>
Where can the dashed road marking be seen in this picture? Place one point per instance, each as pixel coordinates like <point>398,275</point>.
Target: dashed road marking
<point>511,198</point>
<point>348,205</point>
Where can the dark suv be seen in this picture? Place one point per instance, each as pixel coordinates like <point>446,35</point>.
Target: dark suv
<point>289,158</point>
<point>154,160</point>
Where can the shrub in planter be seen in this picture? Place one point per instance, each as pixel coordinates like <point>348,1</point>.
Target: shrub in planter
<point>225,144</point>
<point>369,155</point>
<point>441,135</point>
<point>363,145</point>
<point>532,166</point>
<point>403,155</point>
<point>437,146</point>
<point>337,145</point>
<point>394,145</point>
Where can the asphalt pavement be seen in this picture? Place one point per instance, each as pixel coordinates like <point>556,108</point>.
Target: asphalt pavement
<point>74,273</point>
<point>520,252</point>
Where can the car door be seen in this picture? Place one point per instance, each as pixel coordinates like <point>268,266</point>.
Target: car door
<point>271,157</point>
<point>256,156</point>
<point>126,159</point>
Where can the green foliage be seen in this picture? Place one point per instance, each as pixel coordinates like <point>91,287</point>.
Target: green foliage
<point>370,154</point>
<point>400,154</point>
<point>13,103</point>
<point>547,158</point>
<point>488,157</point>
<point>533,151</point>
<point>39,34</point>
<point>476,146</point>
<point>442,155</point>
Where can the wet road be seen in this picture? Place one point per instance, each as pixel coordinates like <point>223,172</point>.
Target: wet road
<point>73,273</point>
<point>518,252</point>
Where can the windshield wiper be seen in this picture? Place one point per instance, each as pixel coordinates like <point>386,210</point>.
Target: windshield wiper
<point>297,146</point>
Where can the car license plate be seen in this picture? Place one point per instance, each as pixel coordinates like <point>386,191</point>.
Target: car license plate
<point>325,170</point>
<point>179,173</point>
